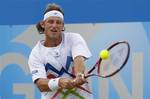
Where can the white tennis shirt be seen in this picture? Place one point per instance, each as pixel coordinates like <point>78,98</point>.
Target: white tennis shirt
<point>49,62</point>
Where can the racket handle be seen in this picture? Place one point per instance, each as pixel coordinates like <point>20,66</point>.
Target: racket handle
<point>87,76</point>
<point>90,75</point>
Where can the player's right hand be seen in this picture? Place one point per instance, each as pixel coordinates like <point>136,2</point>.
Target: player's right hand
<point>79,79</point>
<point>66,83</point>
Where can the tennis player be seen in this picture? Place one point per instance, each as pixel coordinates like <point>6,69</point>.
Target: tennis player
<point>57,62</point>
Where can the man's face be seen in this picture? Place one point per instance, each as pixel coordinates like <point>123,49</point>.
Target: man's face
<point>53,27</point>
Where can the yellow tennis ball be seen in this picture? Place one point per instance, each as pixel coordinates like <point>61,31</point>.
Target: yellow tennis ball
<point>104,54</point>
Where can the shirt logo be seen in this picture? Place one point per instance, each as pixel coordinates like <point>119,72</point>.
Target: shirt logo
<point>34,71</point>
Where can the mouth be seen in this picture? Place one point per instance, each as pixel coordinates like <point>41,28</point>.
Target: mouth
<point>54,30</point>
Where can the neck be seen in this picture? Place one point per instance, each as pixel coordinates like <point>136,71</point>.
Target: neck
<point>49,42</point>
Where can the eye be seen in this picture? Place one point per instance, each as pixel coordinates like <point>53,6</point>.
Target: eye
<point>58,22</point>
<point>50,21</point>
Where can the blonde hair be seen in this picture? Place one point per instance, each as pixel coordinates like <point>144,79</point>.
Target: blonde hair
<point>49,7</point>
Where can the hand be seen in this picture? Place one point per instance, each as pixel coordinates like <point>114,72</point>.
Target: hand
<point>66,83</point>
<point>79,80</point>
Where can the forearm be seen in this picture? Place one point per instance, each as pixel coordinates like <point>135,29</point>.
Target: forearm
<point>79,70</point>
<point>79,64</point>
<point>42,84</point>
<point>45,85</point>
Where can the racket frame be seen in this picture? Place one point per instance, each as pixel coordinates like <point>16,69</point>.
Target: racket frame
<point>98,63</point>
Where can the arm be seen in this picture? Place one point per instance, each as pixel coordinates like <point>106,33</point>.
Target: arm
<point>79,69</point>
<point>42,84</point>
<point>79,64</point>
<point>63,83</point>
<point>39,76</point>
<point>80,53</point>
<point>66,83</point>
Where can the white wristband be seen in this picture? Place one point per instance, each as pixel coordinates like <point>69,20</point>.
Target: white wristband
<point>53,84</point>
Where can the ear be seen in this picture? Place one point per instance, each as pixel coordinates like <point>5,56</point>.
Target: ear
<point>63,27</point>
<point>42,24</point>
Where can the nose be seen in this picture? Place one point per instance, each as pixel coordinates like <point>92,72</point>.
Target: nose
<point>54,24</point>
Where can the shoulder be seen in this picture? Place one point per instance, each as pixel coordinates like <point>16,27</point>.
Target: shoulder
<point>72,36</point>
<point>36,49</point>
<point>35,55</point>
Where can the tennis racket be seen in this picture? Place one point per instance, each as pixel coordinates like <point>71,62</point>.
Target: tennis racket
<point>119,54</point>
